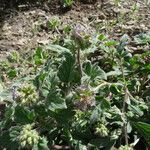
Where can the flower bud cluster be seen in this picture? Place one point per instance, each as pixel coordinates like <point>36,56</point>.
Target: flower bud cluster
<point>79,31</point>
<point>28,137</point>
<point>27,95</point>
<point>125,147</point>
<point>78,115</point>
<point>102,130</point>
<point>85,98</point>
<point>115,134</point>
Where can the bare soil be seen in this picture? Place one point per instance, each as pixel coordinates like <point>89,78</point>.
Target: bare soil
<point>23,29</point>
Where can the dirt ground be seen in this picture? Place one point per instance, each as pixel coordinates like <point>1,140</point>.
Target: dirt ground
<point>24,29</point>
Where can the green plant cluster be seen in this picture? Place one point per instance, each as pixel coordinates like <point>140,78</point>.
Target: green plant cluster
<point>28,137</point>
<point>83,92</point>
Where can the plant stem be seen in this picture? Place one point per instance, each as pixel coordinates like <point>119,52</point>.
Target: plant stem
<point>126,96</point>
<point>125,134</point>
<point>79,62</point>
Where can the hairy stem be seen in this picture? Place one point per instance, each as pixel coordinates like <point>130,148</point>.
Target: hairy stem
<point>125,134</point>
<point>79,62</point>
<point>126,96</point>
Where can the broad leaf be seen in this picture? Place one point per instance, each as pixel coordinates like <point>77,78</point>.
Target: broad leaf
<point>57,48</point>
<point>54,101</point>
<point>23,115</point>
<point>66,70</point>
<point>143,128</point>
<point>94,71</point>
<point>43,144</point>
